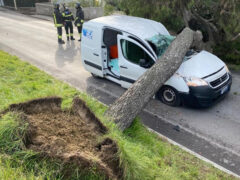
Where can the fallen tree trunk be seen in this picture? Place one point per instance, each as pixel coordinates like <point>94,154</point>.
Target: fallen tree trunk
<point>128,106</point>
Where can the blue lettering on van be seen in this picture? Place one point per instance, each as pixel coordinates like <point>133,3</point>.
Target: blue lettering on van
<point>87,33</point>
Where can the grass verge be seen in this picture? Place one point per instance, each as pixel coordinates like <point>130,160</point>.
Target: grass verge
<point>234,67</point>
<point>143,155</point>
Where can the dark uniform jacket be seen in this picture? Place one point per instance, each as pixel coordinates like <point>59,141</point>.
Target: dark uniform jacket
<point>58,18</point>
<point>79,17</point>
<point>67,16</point>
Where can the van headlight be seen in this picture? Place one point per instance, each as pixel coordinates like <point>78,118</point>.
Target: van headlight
<point>226,68</point>
<point>194,82</point>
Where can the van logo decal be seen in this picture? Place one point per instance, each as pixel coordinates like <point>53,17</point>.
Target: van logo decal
<point>88,33</point>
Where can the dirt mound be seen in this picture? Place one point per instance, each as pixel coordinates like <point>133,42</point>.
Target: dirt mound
<point>70,136</point>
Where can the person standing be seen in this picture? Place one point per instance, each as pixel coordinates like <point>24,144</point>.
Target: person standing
<point>68,18</point>
<point>58,21</point>
<point>79,19</point>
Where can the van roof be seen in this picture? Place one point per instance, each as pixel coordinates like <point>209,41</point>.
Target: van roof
<point>143,28</point>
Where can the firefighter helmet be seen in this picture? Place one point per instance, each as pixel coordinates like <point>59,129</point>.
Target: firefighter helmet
<point>78,5</point>
<point>56,6</point>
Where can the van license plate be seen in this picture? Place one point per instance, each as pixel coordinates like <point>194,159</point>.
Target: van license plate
<point>225,89</point>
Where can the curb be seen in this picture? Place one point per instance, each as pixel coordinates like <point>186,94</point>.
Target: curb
<point>40,17</point>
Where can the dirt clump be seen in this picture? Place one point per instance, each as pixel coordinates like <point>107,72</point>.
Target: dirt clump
<point>71,136</point>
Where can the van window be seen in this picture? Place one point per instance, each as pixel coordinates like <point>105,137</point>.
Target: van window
<point>134,53</point>
<point>160,43</point>
<point>137,40</point>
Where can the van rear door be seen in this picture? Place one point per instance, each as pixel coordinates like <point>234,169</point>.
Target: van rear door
<point>91,49</point>
<point>130,53</point>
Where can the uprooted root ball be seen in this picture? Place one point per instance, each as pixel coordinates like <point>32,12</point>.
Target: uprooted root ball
<point>70,136</point>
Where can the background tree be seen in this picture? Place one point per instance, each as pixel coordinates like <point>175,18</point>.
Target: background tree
<point>218,20</point>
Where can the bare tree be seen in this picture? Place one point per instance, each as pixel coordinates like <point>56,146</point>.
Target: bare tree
<point>128,106</point>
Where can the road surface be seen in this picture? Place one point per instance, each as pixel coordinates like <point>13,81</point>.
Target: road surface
<point>214,132</point>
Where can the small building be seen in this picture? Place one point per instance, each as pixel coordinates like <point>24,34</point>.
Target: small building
<point>21,3</point>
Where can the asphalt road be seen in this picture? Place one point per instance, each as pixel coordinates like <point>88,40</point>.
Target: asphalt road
<point>213,132</point>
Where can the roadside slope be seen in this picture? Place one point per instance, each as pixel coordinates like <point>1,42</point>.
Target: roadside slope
<point>143,155</point>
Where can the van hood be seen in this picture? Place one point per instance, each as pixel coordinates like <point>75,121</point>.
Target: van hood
<point>200,65</point>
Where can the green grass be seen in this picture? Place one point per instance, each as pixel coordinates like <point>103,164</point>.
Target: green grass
<point>143,155</point>
<point>234,67</point>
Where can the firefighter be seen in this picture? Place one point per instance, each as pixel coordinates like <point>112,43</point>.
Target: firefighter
<point>68,18</point>
<point>79,19</point>
<point>58,21</point>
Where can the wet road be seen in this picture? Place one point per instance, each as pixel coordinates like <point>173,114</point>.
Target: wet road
<point>213,132</point>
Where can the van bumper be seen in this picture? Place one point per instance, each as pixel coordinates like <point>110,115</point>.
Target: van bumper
<point>205,96</point>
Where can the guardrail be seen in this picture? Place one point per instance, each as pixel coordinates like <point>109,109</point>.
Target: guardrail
<point>89,12</point>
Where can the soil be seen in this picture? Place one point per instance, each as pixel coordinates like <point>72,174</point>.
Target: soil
<point>71,136</point>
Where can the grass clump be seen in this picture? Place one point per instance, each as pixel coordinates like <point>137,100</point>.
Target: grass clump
<point>143,155</point>
<point>11,134</point>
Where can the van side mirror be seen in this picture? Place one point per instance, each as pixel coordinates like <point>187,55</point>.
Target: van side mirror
<point>142,63</point>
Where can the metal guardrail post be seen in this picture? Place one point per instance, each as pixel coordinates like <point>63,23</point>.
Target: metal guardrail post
<point>15,4</point>
<point>1,3</point>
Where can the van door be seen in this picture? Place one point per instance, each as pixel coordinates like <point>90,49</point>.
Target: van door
<point>131,55</point>
<point>91,49</point>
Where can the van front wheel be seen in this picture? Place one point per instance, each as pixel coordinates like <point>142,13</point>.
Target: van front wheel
<point>169,96</point>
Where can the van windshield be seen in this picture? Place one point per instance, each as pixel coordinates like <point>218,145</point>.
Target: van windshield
<point>160,43</point>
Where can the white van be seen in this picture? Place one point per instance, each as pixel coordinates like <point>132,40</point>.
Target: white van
<point>122,48</point>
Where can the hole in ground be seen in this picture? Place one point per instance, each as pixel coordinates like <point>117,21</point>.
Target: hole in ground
<point>71,136</point>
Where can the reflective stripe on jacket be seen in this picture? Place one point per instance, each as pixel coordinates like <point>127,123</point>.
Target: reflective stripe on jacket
<point>79,17</point>
<point>67,16</point>
<point>57,17</point>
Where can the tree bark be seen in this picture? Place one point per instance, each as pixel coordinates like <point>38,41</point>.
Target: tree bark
<point>129,105</point>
